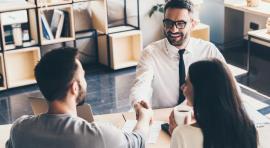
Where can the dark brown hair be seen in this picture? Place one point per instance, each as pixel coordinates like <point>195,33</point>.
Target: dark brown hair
<point>218,108</point>
<point>55,71</point>
<point>181,4</point>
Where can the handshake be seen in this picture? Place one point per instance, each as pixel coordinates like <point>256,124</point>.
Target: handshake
<point>180,115</point>
<point>143,111</point>
<point>144,115</point>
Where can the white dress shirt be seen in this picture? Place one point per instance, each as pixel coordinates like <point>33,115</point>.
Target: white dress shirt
<point>157,73</point>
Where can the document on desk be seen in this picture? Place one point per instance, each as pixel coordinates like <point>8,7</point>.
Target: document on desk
<point>258,119</point>
<point>154,129</point>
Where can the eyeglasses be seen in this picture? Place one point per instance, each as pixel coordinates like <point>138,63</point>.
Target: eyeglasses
<point>178,24</point>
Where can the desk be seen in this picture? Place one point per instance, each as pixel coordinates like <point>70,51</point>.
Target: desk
<point>164,139</point>
<point>259,35</point>
<point>240,5</point>
<point>118,120</point>
<point>264,135</point>
<point>263,9</point>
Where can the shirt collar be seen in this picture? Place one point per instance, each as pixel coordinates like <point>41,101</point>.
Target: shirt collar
<point>173,51</point>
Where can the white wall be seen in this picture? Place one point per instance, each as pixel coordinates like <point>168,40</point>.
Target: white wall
<point>152,28</point>
<point>212,13</point>
<point>253,18</point>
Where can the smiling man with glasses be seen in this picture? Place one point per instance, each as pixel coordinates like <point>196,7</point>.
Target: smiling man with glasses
<point>163,65</point>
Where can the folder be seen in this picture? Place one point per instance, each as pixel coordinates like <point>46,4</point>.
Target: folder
<point>57,23</point>
<point>47,32</point>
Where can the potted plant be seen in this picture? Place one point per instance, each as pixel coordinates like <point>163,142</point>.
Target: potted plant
<point>160,8</point>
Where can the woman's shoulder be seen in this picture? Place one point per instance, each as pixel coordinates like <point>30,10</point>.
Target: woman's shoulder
<point>186,136</point>
<point>188,130</point>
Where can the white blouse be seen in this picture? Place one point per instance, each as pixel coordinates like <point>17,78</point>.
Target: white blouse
<point>186,136</point>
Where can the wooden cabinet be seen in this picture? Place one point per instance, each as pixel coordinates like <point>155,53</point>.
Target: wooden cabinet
<point>41,3</point>
<point>120,50</point>
<point>100,12</point>
<point>201,31</point>
<point>27,22</point>
<point>17,62</point>
<point>119,46</point>
<point>46,14</point>
<point>20,66</point>
<point>125,48</point>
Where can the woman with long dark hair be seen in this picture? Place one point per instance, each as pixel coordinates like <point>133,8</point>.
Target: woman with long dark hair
<point>221,121</point>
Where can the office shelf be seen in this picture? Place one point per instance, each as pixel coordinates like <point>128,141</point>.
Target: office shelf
<point>100,12</point>
<point>11,6</point>
<point>28,17</point>
<point>75,1</point>
<point>124,49</point>
<point>68,9</point>
<point>201,31</point>
<point>20,66</point>
<point>46,3</point>
<point>119,46</point>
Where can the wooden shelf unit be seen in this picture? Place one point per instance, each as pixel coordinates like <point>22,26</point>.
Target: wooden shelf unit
<point>122,43</point>
<point>2,71</point>
<point>124,49</point>
<point>99,10</point>
<point>99,15</point>
<point>67,8</point>
<point>11,6</point>
<point>40,3</point>
<point>201,31</point>
<point>20,66</point>
<point>75,1</point>
<point>30,19</point>
<point>17,63</point>
<point>120,29</point>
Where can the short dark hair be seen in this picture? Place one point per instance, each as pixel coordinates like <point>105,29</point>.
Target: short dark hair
<point>180,4</point>
<point>55,71</point>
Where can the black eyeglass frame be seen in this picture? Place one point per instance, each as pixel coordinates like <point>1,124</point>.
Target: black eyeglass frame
<point>178,24</point>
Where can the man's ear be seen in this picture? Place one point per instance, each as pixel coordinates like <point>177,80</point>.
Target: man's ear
<point>194,23</point>
<point>74,87</point>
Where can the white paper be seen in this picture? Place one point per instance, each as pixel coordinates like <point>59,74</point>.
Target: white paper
<point>154,129</point>
<point>105,123</point>
<point>258,119</point>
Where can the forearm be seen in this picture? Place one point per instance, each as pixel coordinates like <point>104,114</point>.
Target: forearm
<point>142,126</point>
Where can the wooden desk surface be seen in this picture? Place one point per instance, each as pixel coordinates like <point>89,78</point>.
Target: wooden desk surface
<point>264,136</point>
<point>164,139</point>
<point>116,119</point>
<point>119,119</point>
<point>262,33</point>
<point>159,115</point>
<point>262,10</point>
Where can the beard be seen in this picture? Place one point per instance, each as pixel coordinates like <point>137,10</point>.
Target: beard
<point>176,39</point>
<point>81,97</point>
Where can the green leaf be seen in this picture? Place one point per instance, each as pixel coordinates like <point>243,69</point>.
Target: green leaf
<point>161,9</point>
<point>157,7</point>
